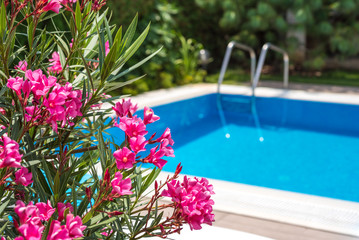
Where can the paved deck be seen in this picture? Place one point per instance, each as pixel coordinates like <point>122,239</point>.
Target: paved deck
<point>311,87</point>
<point>273,229</point>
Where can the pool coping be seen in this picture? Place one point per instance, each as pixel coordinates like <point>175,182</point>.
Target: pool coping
<point>295,208</point>
<point>163,96</point>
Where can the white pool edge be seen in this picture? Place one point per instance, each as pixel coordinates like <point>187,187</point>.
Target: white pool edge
<point>294,208</point>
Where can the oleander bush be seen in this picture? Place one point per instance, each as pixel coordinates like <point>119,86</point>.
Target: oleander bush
<point>61,175</point>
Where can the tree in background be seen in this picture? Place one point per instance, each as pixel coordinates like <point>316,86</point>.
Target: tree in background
<point>330,28</point>
<point>170,66</point>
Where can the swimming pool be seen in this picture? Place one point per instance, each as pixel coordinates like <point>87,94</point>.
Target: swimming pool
<point>300,146</point>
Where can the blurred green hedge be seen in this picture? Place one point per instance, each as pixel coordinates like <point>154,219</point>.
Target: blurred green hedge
<point>330,28</point>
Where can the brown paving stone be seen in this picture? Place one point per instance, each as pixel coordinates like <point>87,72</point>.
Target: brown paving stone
<point>275,230</point>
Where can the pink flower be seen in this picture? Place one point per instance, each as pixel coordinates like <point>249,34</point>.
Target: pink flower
<point>55,63</point>
<point>15,84</point>
<point>124,158</point>
<point>64,104</point>
<point>30,231</point>
<point>74,226</point>
<point>166,136</point>
<point>24,212</point>
<point>155,157</point>
<point>9,153</point>
<point>138,144</point>
<point>149,116</point>
<point>53,5</point>
<point>58,232</point>
<point>40,84</point>
<point>121,187</point>
<point>167,150</point>
<point>45,211</point>
<point>23,177</point>
<point>193,199</point>
<point>125,107</point>
<point>165,144</point>
<point>133,127</point>
<point>61,207</point>
<point>22,65</point>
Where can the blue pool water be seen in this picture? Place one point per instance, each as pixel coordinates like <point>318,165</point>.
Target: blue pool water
<point>299,146</point>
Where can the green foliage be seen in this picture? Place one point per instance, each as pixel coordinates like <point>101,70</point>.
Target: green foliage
<point>170,66</point>
<point>331,27</point>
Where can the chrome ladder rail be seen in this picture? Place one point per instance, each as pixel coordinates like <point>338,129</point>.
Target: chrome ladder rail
<point>227,57</point>
<point>261,62</point>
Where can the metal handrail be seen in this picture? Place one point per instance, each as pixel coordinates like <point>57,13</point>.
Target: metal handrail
<point>228,55</point>
<point>261,62</point>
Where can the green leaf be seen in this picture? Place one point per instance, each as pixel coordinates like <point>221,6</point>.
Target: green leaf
<point>62,44</point>
<point>108,31</point>
<point>2,18</point>
<point>4,205</point>
<point>99,224</point>
<point>74,197</point>
<point>141,223</point>
<point>133,48</point>
<point>57,186</point>
<point>133,67</point>
<point>111,57</point>
<point>78,16</point>
<point>117,85</point>
<point>83,206</point>
<point>94,220</point>
<point>157,219</point>
<point>150,178</point>
<point>127,38</point>
<point>2,229</point>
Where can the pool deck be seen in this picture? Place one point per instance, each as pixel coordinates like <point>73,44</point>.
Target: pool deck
<point>267,212</point>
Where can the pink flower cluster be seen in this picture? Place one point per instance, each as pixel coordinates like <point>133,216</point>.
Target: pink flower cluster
<point>32,219</point>
<point>10,157</point>
<point>193,199</point>
<point>51,101</point>
<point>64,104</point>
<point>9,153</point>
<point>135,130</point>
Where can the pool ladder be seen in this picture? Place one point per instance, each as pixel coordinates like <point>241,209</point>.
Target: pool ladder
<point>255,74</point>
